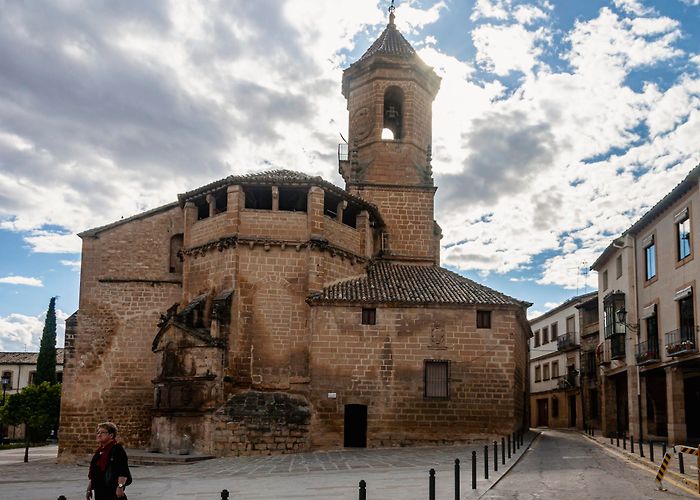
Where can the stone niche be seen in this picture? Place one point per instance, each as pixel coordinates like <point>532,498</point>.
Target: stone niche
<point>261,423</point>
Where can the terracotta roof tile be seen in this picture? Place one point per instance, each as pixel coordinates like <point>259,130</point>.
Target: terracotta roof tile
<point>26,358</point>
<point>392,43</point>
<point>411,284</point>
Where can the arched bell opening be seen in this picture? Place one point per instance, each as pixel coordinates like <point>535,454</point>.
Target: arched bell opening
<point>393,114</point>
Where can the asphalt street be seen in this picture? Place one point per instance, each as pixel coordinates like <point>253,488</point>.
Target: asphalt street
<point>567,465</point>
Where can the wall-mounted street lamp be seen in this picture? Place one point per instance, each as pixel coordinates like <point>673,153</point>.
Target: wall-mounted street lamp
<point>622,317</point>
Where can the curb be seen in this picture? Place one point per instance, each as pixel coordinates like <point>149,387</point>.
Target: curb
<point>513,463</point>
<point>650,466</point>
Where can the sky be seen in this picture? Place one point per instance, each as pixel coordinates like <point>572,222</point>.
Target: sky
<point>558,123</point>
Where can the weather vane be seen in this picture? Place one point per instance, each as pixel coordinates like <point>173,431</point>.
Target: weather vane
<point>391,13</point>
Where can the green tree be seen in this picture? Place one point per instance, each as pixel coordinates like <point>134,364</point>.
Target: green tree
<point>37,407</point>
<point>46,363</point>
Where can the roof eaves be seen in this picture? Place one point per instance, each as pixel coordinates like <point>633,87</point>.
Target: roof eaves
<point>96,230</point>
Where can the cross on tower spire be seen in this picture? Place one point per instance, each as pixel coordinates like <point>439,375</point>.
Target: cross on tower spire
<point>391,13</point>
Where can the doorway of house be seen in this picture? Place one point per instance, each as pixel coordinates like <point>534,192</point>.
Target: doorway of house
<point>622,419</point>
<point>692,409</point>
<point>572,411</point>
<point>542,413</point>
<point>355,435</point>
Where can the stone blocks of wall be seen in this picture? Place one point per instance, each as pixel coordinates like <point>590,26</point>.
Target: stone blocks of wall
<point>261,423</point>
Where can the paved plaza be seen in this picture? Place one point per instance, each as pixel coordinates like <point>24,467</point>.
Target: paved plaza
<point>394,473</point>
<point>550,464</point>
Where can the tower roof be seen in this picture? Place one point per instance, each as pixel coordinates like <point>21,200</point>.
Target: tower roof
<point>391,43</point>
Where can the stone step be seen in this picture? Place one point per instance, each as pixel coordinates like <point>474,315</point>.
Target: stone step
<point>142,457</point>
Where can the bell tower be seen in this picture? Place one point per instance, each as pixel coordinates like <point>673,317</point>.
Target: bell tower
<point>389,93</point>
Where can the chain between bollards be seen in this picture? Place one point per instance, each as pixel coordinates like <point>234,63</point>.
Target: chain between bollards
<point>431,485</point>
<point>363,490</point>
<point>473,471</point>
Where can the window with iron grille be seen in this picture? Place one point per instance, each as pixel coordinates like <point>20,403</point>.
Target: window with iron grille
<point>436,379</point>
<point>369,316</point>
<point>483,319</point>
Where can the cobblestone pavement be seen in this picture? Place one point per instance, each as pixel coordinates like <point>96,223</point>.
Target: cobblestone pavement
<point>394,473</point>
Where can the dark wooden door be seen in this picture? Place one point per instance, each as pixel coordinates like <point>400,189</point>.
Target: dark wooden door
<point>572,411</point>
<point>542,413</point>
<point>355,435</point>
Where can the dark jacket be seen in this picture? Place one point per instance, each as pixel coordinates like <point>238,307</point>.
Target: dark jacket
<point>105,483</point>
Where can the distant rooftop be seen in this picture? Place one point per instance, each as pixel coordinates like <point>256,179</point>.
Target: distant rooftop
<point>27,358</point>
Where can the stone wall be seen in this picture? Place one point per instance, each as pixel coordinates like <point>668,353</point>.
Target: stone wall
<point>124,286</point>
<point>261,423</point>
<point>382,366</point>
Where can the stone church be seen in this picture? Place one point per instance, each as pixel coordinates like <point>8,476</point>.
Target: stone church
<point>276,312</point>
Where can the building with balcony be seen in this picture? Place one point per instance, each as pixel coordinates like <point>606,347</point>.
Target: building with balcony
<point>647,280</point>
<point>276,312</point>
<point>556,369</point>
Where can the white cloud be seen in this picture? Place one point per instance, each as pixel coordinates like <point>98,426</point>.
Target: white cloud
<point>493,9</point>
<point>73,264</point>
<point>552,305</point>
<point>502,49</point>
<point>633,7</point>
<point>528,14</point>
<point>51,242</point>
<point>691,2</point>
<point>22,280</point>
<point>19,332</point>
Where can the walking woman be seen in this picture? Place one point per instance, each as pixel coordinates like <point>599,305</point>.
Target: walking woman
<point>109,468</point>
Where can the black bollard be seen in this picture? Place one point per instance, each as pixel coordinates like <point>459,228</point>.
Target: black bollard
<point>651,450</point>
<point>495,456</point>
<point>514,441</point>
<point>503,450</point>
<point>224,494</point>
<point>641,447</point>
<point>632,443</point>
<point>431,485</point>
<point>681,466</point>
<point>486,461</point>
<point>363,490</point>
<point>611,439</point>
<point>624,441</point>
<point>592,431</point>
<point>663,448</point>
<point>508,446</point>
<point>617,439</point>
<point>457,482</point>
<point>62,497</point>
<point>522,437</point>
<point>473,471</point>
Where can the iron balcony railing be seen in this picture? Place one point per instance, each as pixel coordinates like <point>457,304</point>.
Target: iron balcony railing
<point>617,346</point>
<point>566,341</point>
<point>681,341</point>
<point>647,351</point>
<point>568,380</point>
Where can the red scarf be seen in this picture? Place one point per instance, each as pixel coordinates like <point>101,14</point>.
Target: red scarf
<point>104,455</point>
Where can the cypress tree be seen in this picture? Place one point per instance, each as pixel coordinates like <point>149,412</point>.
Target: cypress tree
<point>46,364</point>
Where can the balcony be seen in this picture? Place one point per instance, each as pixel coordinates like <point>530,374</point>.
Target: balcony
<point>681,341</point>
<point>568,381</point>
<point>647,352</point>
<point>617,346</point>
<point>567,341</point>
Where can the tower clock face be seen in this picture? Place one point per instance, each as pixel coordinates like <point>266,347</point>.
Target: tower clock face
<point>361,123</point>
